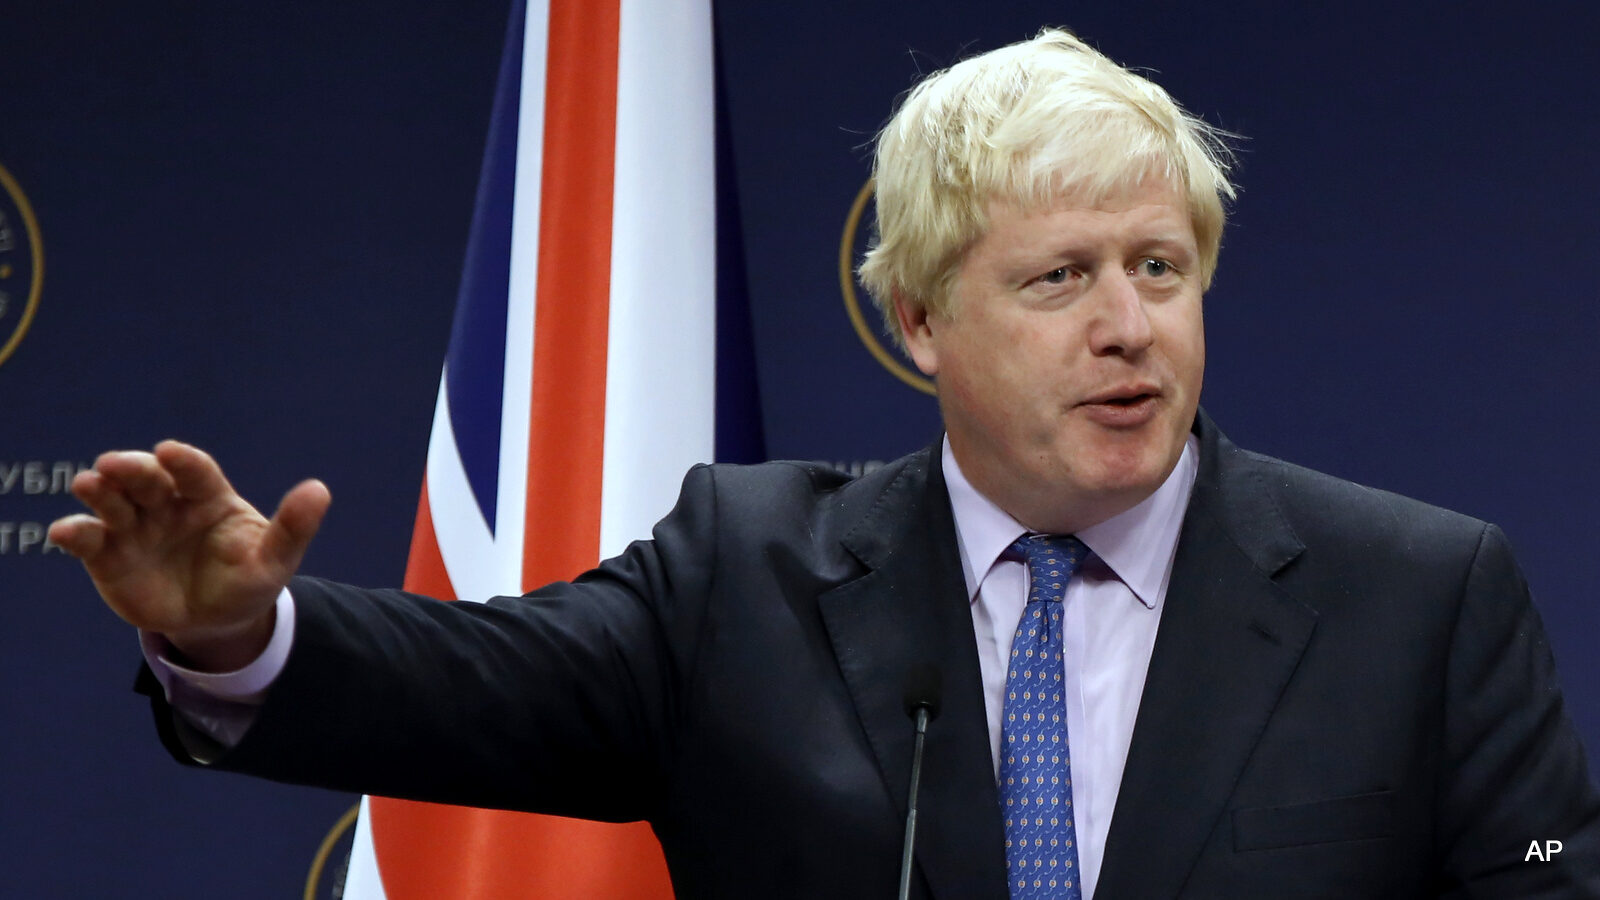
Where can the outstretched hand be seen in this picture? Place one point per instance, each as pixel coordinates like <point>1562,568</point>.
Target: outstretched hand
<point>174,549</point>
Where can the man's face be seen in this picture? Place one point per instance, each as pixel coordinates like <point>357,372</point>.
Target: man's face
<point>1069,367</point>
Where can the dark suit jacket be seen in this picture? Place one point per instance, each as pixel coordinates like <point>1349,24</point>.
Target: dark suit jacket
<point>1350,696</point>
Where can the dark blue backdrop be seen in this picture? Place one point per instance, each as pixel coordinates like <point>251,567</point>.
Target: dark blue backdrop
<point>253,221</point>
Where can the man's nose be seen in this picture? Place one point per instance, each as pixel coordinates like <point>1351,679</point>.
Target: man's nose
<point>1120,325</point>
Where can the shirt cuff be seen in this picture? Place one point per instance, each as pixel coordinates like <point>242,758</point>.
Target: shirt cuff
<point>247,685</point>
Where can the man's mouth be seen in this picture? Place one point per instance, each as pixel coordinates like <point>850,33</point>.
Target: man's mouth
<point>1127,401</point>
<point>1124,406</point>
<point>1131,395</point>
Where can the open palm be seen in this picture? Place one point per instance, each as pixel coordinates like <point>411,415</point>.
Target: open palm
<point>172,548</point>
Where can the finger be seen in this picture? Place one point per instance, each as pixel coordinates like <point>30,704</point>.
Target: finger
<point>106,499</point>
<point>196,474</point>
<point>140,476</point>
<point>79,534</point>
<point>295,523</point>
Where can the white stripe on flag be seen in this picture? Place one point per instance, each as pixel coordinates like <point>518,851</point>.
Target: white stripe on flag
<point>661,361</point>
<point>480,566</point>
<point>517,399</point>
<point>361,881</point>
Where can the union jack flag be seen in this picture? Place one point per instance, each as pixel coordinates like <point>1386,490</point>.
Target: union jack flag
<point>580,383</point>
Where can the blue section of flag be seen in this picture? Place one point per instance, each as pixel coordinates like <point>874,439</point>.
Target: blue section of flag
<point>739,429</point>
<point>475,363</point>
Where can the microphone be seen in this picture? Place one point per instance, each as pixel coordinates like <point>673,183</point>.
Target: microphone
<point>922,689</point>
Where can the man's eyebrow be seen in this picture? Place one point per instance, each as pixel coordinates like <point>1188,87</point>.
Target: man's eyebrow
<point>1164,240</point>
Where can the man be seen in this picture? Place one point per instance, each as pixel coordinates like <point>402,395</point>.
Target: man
<point>1248,679</point>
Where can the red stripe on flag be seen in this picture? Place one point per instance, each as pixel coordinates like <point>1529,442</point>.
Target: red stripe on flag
<point>425,572</point>
<point>427,852</point>
<point>568,415</point>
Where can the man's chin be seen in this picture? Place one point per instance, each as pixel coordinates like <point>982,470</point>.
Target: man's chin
<point>1129,475</point>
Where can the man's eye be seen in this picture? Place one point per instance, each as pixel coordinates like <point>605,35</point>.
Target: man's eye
<point>1056,276</point>
<point>1155,268</point>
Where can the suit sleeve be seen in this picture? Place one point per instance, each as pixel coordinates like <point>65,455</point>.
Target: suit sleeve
<point>1514,769</point>
<point>562,701</point>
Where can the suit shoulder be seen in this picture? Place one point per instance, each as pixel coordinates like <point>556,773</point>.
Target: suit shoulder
<point>797,490</point>
<point>1322,507</point>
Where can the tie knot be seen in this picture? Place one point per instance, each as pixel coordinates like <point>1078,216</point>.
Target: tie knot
<point>1052,558</point>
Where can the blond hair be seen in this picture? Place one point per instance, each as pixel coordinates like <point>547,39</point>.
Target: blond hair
<point>1026,124</point>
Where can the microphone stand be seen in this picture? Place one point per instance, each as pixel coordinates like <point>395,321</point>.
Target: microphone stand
<point>922,716</point>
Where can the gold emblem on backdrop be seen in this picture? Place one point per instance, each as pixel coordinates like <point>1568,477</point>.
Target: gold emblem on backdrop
<point>325,881</point>
<point>870,334</point>
<point>21,265</point>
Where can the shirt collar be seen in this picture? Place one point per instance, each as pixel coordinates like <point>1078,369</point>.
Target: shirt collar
<point>1137,545</point>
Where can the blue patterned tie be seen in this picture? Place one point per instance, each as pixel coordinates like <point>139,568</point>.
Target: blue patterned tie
<point>1035,769</point>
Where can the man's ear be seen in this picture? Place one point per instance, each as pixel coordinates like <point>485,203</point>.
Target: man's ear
<point>915,324</point>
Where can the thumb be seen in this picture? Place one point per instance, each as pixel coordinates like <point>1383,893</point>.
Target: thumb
<point>293,526</point>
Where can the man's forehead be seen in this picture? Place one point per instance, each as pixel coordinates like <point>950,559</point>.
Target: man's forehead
<point>1149,211</point>
<point>1110,195</point>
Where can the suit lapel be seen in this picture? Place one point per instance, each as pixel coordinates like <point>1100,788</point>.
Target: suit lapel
<point>1228,643</point>
<point>908,609</point>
